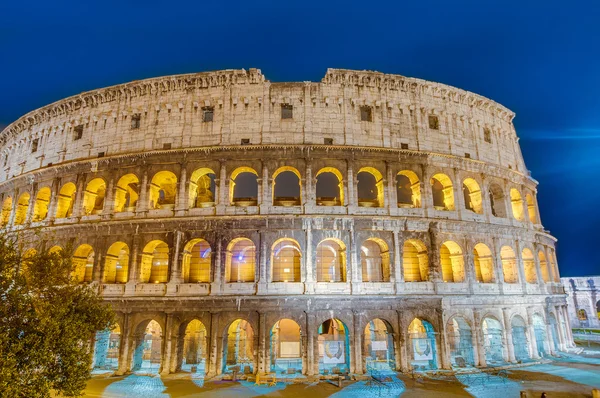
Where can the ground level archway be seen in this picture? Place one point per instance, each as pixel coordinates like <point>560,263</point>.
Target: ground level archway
<point>378,349</point>
<point>106,349</point>
<point>492,341</point>
<point>286,347</point>
<point>193,349</point>
<point>422,345</point>
<point>460,342</point>
<point>147,354</point>
<point>238,350</point>
<point>334,347</point>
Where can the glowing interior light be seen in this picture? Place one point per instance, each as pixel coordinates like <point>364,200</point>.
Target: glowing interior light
<point>286,270</point>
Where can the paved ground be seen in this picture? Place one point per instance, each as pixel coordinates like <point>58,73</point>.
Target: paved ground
<point>570,376</point>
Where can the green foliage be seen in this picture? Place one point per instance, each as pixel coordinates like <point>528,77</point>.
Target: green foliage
<point>46,322</point>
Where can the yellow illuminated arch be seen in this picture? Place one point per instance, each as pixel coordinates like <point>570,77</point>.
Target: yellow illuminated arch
<point>452,261</point>
<point>116,263</point>
<point>66,199</point>
<point>415,261</point>
<point>484,263</point>
<point>473,194</point>
<point>286,259</point>
<point>40,207</point>
<point>127,193</point>
<point>509,265</point>
<point>375,260</point>
<point>22,206</point>
<point>414,188</point>
<point>197,255</point>
<point>240,264</point>
<point>517,204</point>
<point>163,190</point>
<point>6,209</point>
<point>155,262</point>
<point>200,193</point>
<point>83,263</point>
<point>380,201</point>
<point>446,189</point>
<point>93,196</point>
<point>323,201</point>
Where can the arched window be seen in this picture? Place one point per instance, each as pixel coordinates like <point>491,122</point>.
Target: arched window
<point>460,341</point>
<point>241,261</point>
<point>375,261</point>
<point>285,259</point>
<point>66,198</point>
<point>544,266</point>
<point>194,348</point>
<point>415,261</point>
<point>408,189</point>
<point>497,201</point>
<point>529,266</point>
<point>196,261</point>
<point>484,263</point>
<point>370,187</point>
<point>6,209</point>
<point>163,190</point>
<point>453,264</point>
<point>243,187</point>
<point>116,263</point>
<point>239,347</point>
<point>22,206</point>
<point>492,341</point>
<point>517,204</point>
<point>422,345</point>
<point>202,188</point>
<point>379,346</point>
<point>509,265</point>
<point>40,207</point>
<point>83,263</point>
<point>148,347</point>
<point>127,193</point>
<point>155,262</point>
<point>472,196</point>
<point>443,192</point>
<point>93,197</point>
<point>286,187</point>
<point>286,347</point>
<point>531,208</point>
<point>519,338</point>
<point>334,346</point>
<point>329,187</point>
<point>331,261</point>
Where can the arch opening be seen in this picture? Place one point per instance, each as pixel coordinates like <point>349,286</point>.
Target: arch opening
<point>83,263</point>
<point>127,193</point>
<point>370,189</point>
<point>519,338</point>
<point>529,266</point>
<point>484,264</point>
<point>452,261</point>
<point>40,207</point>
<point>379,347</point>
<point>330,187</point>
<point>334,347</point>
<point>197,257</point>
<point>286,347</point>
<point>155,262</point>
<point>66,199</point>
<point>239,348</point>
<point>539,330</point>
<point>375,260</point>
<point>93,197</point>
<point>243,187</point>
<point>531,208</point>
<point>422,345</point>
<point>415,261</point>
<point>544,266</point>
<point>516,202</point>
<point>116,263</point>
<point>202,192</point>
<point>472,196</point>
<point>287,187</point>
<point>509,265</point>
<point>147,354</point>
<point>331,261</point>
<point>286,258</point>
<point>492,341</point>
<point>241,261</point>
<point>106,349</point>
<point>193,351</point>
<point>163,190</point>
<point>6,209</point>
<point>497,201</point>
<point>408,189</point>
<point>22,207</point>
<point>460,340</point>
<point>443,192</point>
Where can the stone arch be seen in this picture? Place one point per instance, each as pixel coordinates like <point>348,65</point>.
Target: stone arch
<point>202,190</point>
<point>529,266</point>
<point>497,201</point>
<point>492,340</point>
<point>40,206</point>
<point>472,196</point>
<point>83,263</point>
<point>519,338</point>
<point>531,212</point>
<point>148,347</point>
<point>238,348</point>
<point>442,191</point>
<point>516,202</point>
<point>375,260</point>
<point>243,187</point>
<point>452,262</point>
<point>154,267</point>
<point>6,209</point>
<point>192,350</point>
<point>333,347</point>
<point>553,266</point>
<point>66,199</point>
<point>331,261</point>
<point>540,333</point>
<point>329,188</point>
<point>22,207</point>
<point>287,187</point>
<point>422,345</point>
<point>484,263</point>
<point>116,263</point>
<point>93,196</point>
<point>543,266</point>
<point>163,190</point>
<point>240,265</point>
<point>286,261</point>
<point>408,189</point>
<point>286,347</point>
<point>197,259</point>
<point>55,249</point>
<point>370,189</point>
<point>415,261</point>
<point>106,349</point>
<point>460,342</point>
<point>378,346</point>
<point>509,265</point>
<point>127,193</point>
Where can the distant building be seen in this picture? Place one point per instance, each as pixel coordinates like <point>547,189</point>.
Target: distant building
<point>584,301</point>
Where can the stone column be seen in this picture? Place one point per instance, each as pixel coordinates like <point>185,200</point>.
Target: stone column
<point>262,342</point>
<point>99,252</point>
<point>533,348</point>
<point>109,199</point>
<point>426,189</point>
<point>538,267</point>
<point>435,268</point>
<point>133,273</point>
<point>358,338</point>
<point>354,270</point>
<point>218,274</point>
<point>214,367</point>
<point>55,189</point>
<point>124,346</point>
<point>13,211</point>
<point>175,274</point>
<point>508,331</point>
<point>264,272</point>
<point>312,363</point>
<point>142,203</point>
<point>469,265</point>
<point>262,199</point>
<point>478,342</point>
<point>561,332</point>
<point>308,188</point>
<point>31,206</point>
<point>222,199</point>
<point>351,197</point>
<point>397,275</point>
<point>520,265</point>
<point>78,202</point>
<point>311,278</point>
<point>390,187</point>
<point>403,344</point>
<point>182,202</point>
<point>497,253</point>
<point>569,334</point>
<point>166,350</point>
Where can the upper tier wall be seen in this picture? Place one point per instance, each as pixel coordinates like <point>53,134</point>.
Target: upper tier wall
<point>247,107</point>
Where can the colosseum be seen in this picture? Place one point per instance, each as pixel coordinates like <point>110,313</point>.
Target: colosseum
<point>368,222</point>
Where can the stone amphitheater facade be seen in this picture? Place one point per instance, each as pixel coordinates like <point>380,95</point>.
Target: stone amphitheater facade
<point>366,222</point>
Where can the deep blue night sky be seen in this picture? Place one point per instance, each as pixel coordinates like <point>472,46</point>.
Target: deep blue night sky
<point>539,58</point>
